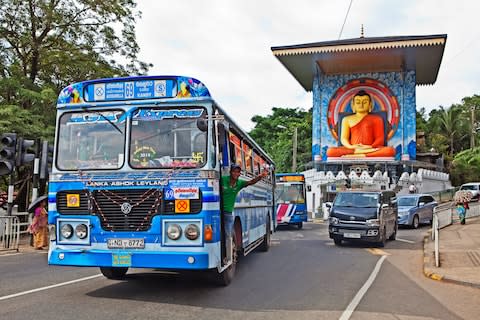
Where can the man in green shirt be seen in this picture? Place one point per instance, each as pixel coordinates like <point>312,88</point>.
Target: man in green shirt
<point>231,186</point>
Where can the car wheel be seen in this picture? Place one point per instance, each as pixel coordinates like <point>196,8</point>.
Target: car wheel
<point>114,273</point>
<point>337,241</point>
<point>415,222</point>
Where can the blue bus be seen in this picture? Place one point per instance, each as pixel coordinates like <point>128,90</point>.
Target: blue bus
<point>135,179</point>
<point>290,199</point>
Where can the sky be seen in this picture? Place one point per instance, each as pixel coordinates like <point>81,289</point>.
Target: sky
<point>226,44</point>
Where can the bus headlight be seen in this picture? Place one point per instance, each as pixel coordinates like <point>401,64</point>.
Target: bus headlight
<point>66,231</point>
<point>174,231</point>
<point>192,232</point>
<point>81,231</point>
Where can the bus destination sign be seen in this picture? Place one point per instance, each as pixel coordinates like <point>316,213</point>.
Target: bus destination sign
<point>131,90</point>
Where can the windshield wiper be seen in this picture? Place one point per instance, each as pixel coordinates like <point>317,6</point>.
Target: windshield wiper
<point>101,115</point>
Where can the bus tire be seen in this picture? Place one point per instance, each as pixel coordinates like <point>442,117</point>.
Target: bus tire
<point>300,225</point>
<point>114,273</point>
<point>267,240</point>
<point>226,277</point>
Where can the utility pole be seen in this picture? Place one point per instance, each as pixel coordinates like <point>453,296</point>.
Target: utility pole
<point>294,158</point>
<point>472,135</point>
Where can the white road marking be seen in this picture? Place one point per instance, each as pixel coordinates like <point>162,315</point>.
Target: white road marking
<point>405,240</point>
<point>49,287</point>
<point>356,300</point>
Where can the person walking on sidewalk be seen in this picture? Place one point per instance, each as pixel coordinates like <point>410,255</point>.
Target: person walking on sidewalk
<point>461,199</point>
<point>39,227</point>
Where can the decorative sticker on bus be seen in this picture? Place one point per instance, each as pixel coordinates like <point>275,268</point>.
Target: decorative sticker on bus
<point>97,117</point>
<point>198,183</point>
<point>186,193</point>
<point>156,114</point>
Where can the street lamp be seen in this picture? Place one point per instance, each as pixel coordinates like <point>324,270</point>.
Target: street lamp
<point>294,146</point>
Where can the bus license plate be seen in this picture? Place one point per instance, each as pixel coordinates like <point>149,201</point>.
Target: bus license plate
<point>352,235</point>
<point>126,243</point>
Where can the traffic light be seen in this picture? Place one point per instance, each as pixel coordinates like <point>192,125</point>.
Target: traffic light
<point>7,153</point>
<point>46,160</point>
<point>23,154</point>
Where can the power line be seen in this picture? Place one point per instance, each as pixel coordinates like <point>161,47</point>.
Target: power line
<point>345,20</point>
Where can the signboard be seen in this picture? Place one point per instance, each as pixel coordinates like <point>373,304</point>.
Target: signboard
<point>131,90</point>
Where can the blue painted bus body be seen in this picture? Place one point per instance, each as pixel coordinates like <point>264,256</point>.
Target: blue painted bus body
<point>117,202</point>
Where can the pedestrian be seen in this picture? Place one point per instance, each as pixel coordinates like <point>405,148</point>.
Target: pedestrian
<point>39,226</point>
<point>461,211</point>
<point>461,199</point>
<point>231,186</point>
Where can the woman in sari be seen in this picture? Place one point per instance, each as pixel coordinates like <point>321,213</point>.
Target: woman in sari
<point>39,227</point>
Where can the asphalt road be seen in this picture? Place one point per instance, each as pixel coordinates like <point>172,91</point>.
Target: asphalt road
<point>303,276</point>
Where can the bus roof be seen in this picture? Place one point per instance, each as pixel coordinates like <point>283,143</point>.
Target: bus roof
<point>132,88</point>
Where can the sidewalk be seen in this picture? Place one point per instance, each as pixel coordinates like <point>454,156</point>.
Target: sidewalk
<point>459,249</point>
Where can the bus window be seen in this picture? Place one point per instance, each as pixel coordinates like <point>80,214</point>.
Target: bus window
<point>256,164</point>
<point>247,153</point>
<point>237,150</point>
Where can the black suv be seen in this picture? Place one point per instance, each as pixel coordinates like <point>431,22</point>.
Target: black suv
<point>364,215</point>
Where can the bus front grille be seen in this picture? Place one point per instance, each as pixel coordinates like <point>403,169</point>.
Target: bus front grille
<point>126,210</point>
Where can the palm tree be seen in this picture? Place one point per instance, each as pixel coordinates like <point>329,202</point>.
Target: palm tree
<point>451,123</point>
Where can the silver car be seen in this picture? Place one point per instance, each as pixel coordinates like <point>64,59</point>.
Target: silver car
<point>414,209</point>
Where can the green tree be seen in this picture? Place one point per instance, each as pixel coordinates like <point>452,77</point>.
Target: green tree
<point>466,167</point>
<point>274,133</point>
<point>62,41</point>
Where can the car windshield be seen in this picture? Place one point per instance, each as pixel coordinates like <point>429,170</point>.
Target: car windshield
<point>470,187</point>
<point>407,201</point>
<point>358,200</point>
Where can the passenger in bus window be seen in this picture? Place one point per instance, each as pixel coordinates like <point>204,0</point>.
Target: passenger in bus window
<point>231,186</point>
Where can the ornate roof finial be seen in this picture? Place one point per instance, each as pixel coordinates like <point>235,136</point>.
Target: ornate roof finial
<point>362,35</point>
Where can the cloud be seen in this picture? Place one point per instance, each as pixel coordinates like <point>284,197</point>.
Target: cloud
<point>226,45</point>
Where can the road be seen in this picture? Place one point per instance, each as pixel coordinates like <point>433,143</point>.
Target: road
<point>303,276</point>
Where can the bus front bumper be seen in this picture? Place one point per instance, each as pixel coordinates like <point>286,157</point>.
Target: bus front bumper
<point>133,259</point>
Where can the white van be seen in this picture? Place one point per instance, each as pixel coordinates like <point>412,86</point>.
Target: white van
<point>474,188</point>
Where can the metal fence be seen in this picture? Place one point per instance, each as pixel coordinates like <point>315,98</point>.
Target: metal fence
<point>445,215</point>
<point>9,233</point>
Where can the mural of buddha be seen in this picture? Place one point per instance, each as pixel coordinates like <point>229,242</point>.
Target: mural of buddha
<point>362,133</point>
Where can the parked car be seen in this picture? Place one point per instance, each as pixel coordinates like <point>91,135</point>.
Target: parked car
<point>414,209</point>
<point>474,188</point>
<point>363,215</point>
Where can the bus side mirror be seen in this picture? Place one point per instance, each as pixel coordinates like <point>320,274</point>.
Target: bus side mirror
<point>202,124</point>
<point>309,188</point>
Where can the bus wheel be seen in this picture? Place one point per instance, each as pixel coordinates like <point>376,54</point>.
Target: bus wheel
<point>267,240</point>
<point>226,277</point>
<point>114,273</point>
<point>300,225</point>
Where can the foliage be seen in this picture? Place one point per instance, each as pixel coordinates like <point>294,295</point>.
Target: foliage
<point>58,42</point>
<point>466,167</point>
<point>274,133</point>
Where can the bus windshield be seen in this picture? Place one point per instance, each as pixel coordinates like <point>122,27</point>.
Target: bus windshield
<point>289,193</point>
<point>167,138</point>
<point>91,140</point>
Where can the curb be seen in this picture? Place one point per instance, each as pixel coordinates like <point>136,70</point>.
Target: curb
<point>429,273</point>
<point>427,261</point>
